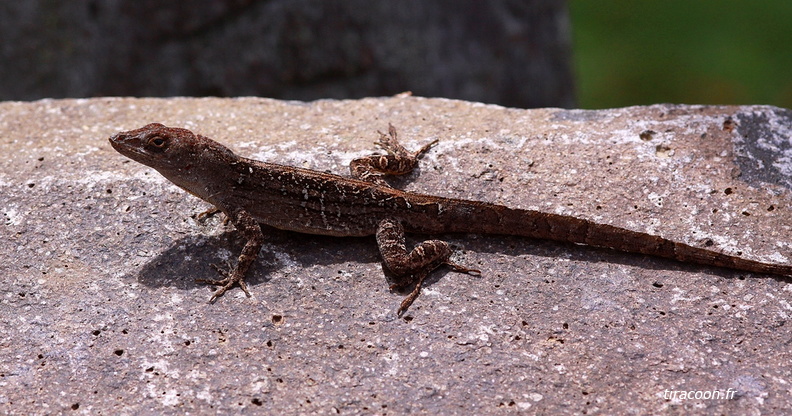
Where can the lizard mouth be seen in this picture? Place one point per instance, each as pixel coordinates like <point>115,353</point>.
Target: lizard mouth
<point>128,146</point>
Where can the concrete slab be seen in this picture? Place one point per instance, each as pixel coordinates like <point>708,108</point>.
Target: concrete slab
<point>100,313</point>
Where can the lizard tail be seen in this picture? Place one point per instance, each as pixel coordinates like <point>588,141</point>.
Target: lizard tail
<point>496,219</point>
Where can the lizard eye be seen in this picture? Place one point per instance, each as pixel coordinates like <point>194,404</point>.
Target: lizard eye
<point>158,142</point>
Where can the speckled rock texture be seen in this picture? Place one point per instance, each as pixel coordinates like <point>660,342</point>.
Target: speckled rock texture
<point>100,313</point>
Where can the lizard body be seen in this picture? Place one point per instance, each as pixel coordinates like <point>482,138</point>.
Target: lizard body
<point>252,192</point>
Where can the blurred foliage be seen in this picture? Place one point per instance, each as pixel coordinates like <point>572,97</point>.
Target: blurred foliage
<point>682,51</point>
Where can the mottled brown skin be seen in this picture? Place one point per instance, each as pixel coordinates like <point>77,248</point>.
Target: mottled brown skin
<point>251,192</point>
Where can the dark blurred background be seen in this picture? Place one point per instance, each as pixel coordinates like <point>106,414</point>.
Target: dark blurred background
<point>512,52</point>
<point>519,53</point>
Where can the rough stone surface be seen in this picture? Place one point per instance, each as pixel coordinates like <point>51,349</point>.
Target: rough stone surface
<point>101,315</point>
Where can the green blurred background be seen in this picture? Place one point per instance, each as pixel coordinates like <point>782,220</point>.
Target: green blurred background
<point>682,51</point>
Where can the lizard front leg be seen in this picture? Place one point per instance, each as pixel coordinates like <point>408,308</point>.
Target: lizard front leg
<point>398,161</point>
<point>414,266</point>
<point>251,230</point>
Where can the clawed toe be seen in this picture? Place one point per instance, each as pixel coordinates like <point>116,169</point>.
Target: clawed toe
<point>225,272</point>
<point>205,215</point>
<point>462,269</point>
<point>229,280</point>
<point>410,298</point>
<point>225,284</point>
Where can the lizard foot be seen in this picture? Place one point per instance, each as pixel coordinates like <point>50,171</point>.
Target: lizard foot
<point>462,269</point>
<point>419,283</point>
<point>412,295</point>
<point>205,215</point>
<point>229,280</point>
<point>390,143</point>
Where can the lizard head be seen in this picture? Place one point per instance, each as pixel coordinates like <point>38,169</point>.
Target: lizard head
<point>168,148</point>
<point>178,154</point>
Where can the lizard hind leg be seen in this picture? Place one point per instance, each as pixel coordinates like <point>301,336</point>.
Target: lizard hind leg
<point>414,266</point>
<point>398,161</point>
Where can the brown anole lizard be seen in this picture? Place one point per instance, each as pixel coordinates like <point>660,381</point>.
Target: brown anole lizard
<point>252,192</point>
